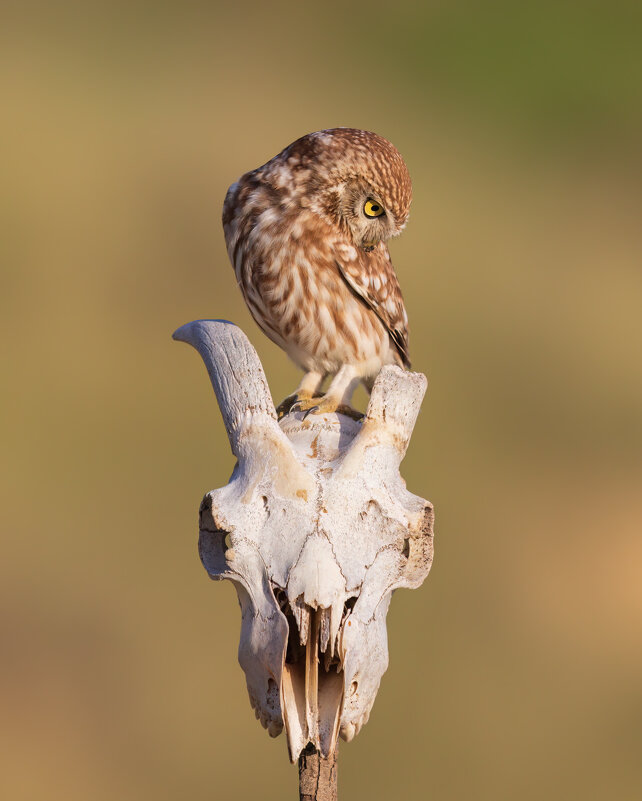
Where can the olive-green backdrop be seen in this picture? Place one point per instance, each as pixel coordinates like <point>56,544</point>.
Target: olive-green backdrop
<point>515,670</point>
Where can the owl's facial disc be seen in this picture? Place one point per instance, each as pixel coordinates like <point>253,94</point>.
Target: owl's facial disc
<point>359,207</point>
<point>372,223</point>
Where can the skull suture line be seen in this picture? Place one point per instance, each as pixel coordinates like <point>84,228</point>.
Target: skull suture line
<point>315,529</point>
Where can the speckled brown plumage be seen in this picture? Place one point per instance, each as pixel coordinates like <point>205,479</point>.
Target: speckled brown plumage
<point>313,267</point>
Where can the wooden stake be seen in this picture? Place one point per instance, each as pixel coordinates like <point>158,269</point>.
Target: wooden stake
<point>317,776</point>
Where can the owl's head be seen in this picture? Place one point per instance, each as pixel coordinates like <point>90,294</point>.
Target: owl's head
<point>360,181</point>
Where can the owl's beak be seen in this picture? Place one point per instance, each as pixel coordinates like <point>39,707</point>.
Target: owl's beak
<point>369,246</point>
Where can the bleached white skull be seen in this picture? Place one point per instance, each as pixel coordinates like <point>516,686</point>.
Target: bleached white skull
<point>315,529</point>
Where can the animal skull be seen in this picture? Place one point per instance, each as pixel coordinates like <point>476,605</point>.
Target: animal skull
<point>315,529</point>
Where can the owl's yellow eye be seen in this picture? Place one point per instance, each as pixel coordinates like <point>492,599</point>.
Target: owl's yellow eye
<point>372,209</point>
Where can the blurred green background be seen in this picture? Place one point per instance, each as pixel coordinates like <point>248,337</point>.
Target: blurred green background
<point>516,669</point>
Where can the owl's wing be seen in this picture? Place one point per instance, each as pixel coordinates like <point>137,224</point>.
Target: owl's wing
<point>372,278</point>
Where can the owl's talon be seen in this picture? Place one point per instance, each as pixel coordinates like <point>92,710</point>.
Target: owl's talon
<point>285,407</point>
<point>309,405</point>
<point>302,405</point>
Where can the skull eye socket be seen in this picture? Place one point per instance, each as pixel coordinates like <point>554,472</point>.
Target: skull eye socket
<point>371,208</point>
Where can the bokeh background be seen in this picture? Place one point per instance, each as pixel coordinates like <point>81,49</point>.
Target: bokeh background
<point>516,669</point>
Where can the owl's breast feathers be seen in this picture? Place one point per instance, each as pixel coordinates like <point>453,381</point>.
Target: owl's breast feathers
<point>316,295</point>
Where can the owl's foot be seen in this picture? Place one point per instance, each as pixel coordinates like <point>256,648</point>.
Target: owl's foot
<point>325,405</point>
<point>285,407</point>
<point>309,387</point>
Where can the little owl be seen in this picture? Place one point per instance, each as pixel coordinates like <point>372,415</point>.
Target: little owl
<point>306,234</point>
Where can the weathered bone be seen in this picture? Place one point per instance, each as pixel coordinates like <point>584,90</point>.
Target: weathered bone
<point>392,415</point>
<point>321,530</point>
<point>234,369</point>
<point>245,401</point>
